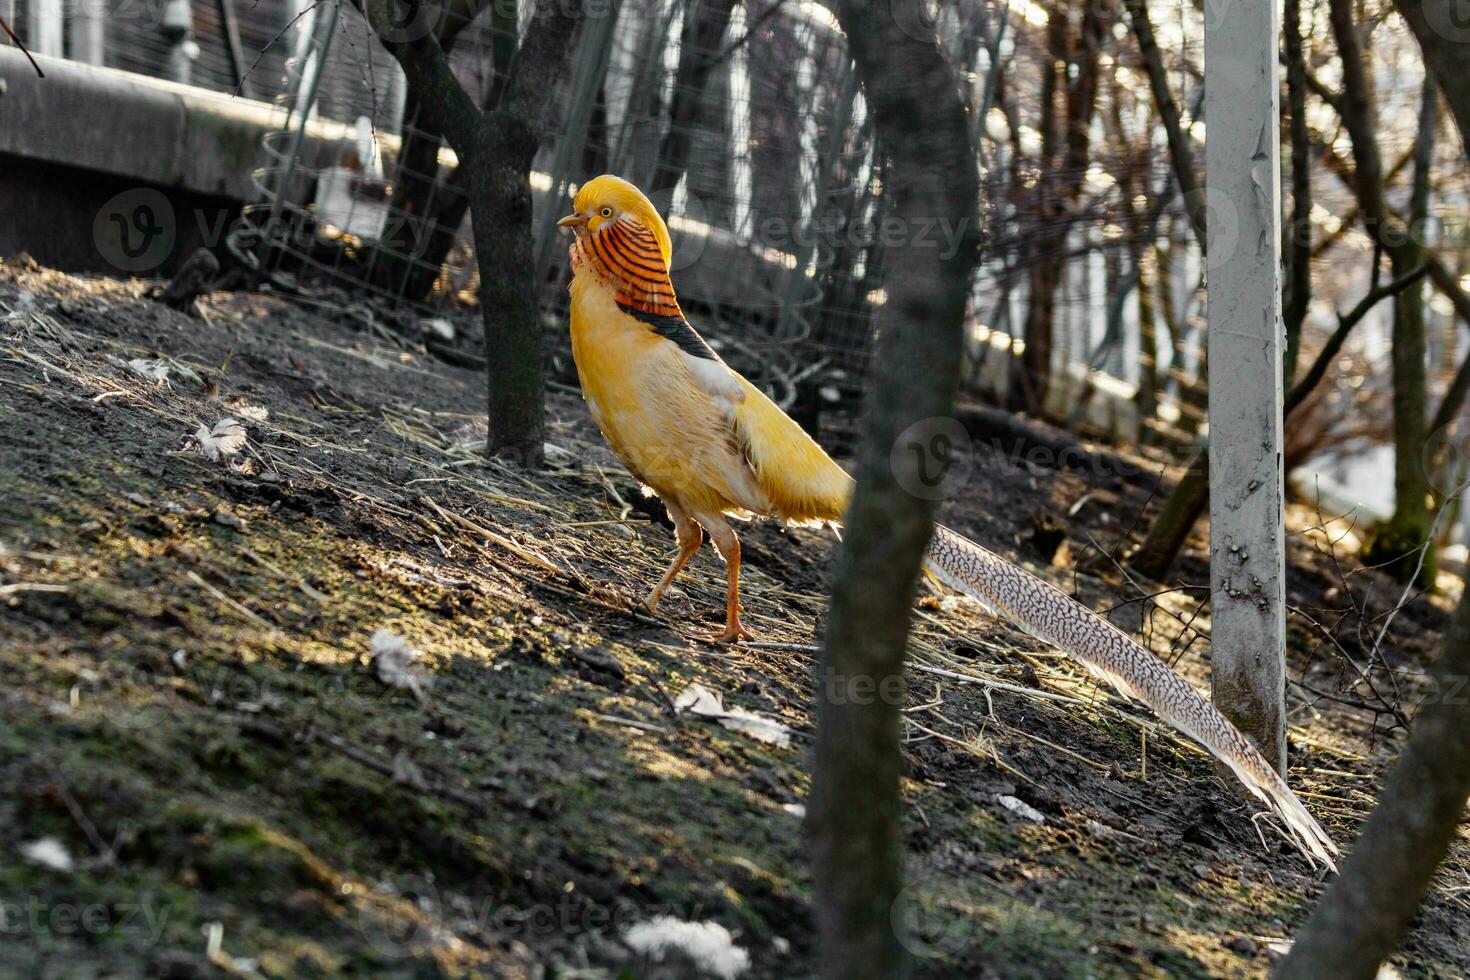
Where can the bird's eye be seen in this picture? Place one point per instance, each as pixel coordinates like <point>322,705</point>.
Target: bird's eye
<point>606,212</point>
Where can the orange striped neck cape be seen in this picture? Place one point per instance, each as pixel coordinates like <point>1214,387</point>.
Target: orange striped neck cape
<point>627,253</point>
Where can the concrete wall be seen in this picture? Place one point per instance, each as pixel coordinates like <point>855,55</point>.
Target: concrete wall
<point>105,171</point>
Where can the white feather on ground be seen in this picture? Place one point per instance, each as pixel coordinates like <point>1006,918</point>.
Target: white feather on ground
<point>47,852</point>
<point>700,701</point>
<point>396,663</point>
<point>1021,808</point>
<point>150,368</point>
<point>708,945</point>
<point>227,438</point>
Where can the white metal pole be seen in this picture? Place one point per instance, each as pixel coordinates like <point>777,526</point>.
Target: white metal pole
<point>87,30</point>
<point>1247,541</point>
<point>46,28</point>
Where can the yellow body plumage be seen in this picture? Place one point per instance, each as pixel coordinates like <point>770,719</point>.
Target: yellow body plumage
<point>699,435</point>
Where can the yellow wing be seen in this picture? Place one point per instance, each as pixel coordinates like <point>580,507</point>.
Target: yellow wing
<point>803,483</point>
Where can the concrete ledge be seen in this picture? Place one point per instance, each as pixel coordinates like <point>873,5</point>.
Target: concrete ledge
<point>85,140</point>
<point>178,136</point>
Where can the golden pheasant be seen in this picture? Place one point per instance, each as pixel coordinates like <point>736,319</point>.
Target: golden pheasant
<point>712,446</point>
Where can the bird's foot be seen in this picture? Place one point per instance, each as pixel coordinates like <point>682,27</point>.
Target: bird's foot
<point>733,633</point>
<point>650,603</point>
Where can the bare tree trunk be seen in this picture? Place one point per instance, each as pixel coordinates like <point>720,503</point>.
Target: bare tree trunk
<point>855,816</point>
<point>495,148</point>
<point>1407,530</point>
<point>1371,904</point>
<point>1181,153</point>
<point>420,230</point>
<point>1147,398</point>
<point>1075,72</point>
<point>1030,375</point>
<point>1297,289</point>
<point>1443,33</point>
<point>705,24</point>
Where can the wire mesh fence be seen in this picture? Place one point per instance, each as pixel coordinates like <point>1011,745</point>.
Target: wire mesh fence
<point>764,165</point>
<point>745,123</point>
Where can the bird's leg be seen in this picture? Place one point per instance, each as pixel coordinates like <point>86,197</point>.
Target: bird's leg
<point>728,546</point>
<point>690,537</point>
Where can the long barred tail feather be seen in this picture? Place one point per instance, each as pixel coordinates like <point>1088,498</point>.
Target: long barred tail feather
<point>1115,657</point>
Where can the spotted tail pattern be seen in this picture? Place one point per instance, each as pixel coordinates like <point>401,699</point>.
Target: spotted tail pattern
<point>1112,655</point>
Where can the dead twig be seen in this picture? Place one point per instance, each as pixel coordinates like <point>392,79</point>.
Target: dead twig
<point>23,50</point>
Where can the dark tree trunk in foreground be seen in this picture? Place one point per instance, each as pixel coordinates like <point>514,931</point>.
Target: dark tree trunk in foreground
<point>495,149</point>
<point>855,815</point>
<point>1370,905</point>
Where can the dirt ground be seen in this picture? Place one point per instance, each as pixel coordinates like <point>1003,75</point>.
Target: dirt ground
<point>204,773</point>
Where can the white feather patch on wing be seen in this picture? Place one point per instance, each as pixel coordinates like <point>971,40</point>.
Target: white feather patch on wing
<point>715,378</point>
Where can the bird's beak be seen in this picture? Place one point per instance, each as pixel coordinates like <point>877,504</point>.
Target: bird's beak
<point>576,222</point>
